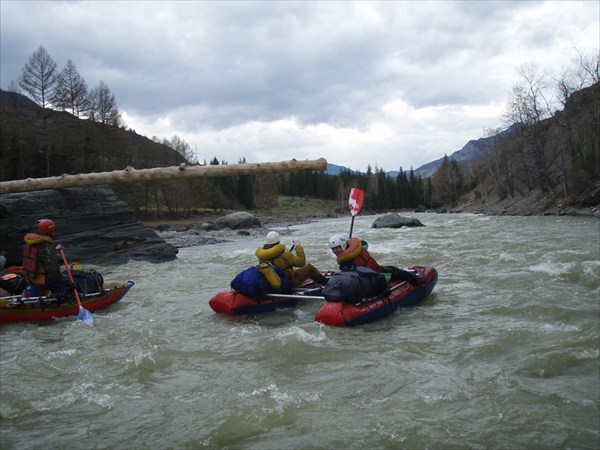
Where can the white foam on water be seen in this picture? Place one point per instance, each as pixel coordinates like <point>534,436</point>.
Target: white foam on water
<point>552,268</point>
<point>142,358</point>
<point>280,401</point>
<point>302,335</point>
<point>61,353</point>
<point>86,392</point>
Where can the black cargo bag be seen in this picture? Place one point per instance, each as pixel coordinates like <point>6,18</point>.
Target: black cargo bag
<point>13,283</point>
<point>354,286</point>
<point>88,281</point>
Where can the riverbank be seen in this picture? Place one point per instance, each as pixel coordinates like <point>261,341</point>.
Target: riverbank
<point>198,229</point>
<point>535,203</point>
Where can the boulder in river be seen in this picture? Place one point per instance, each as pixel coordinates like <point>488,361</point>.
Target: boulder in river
<point>393,220</point>
<point>237,220</point>
<point>92,223</point>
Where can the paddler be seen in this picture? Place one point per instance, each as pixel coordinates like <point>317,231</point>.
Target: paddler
<point>353,252</point>
<point>41,264</point>
<point>274,252</point>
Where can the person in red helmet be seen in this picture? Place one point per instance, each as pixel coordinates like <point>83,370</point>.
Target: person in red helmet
<point>41,262</point>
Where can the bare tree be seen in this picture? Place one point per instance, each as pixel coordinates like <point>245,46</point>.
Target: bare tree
<point>104,107</point>
<point>13,86</point>
<point>584,73</point>
<point>38,78</point>
<point>72,91</point>
<point>183,148</point>
<point>528,105</point>
<point>448,182</point>
<point>589,67</point>
<point>496,162</point>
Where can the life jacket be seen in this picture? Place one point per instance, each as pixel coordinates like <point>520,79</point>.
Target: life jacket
<point>272,274</point>
<point>269,254</point>
<point>276,255</point>
<point>33,271</point>
<point>358,255</point>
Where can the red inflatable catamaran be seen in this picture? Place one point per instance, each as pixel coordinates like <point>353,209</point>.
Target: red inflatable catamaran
<point>341,314</point>
<point>344,313</point>
<point>22,309</point>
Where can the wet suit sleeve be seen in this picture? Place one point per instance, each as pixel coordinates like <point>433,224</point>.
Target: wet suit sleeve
<point>299,259</point>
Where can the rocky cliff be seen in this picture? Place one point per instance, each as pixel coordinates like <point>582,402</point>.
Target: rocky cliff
<point>93,225</point>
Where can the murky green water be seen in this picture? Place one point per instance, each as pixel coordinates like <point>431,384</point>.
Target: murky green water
<point>504,354</point>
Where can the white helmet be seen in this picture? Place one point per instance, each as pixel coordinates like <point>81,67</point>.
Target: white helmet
<point>338,241</point>
<point>273,237</point>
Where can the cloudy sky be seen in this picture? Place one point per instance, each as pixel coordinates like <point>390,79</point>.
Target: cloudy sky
<point>388,84</point>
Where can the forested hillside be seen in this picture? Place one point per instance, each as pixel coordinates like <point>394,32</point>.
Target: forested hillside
<point>40,142</point>
<point>545,165</point>
<point>550,165</point>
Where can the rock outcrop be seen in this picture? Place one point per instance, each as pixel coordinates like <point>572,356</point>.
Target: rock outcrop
<point>237,220</point>
<point>92,223</point>
<point>393,220</point>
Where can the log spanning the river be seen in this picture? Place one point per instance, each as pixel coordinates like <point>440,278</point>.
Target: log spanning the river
<point>131,175</point>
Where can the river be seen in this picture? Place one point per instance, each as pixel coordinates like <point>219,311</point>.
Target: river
<point>505,353</point>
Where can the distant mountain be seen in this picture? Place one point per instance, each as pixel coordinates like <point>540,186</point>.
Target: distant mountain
<point>469,157</point>
<point>333,169</point>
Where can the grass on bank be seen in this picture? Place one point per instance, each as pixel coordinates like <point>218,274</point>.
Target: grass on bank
<point>286,204</point>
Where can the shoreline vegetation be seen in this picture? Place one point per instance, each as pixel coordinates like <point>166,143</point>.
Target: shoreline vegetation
<point>304,209</point>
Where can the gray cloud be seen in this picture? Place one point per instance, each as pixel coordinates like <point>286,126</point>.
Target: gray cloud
<point>199,68</point>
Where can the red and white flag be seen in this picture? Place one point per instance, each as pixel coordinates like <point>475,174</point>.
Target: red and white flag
<point>355,200</point>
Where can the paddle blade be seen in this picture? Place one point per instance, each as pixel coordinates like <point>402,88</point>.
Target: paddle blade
<point>356,200</point>
<point>85,316</point>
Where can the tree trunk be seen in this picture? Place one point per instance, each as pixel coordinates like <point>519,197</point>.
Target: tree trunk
<point>131,175</point>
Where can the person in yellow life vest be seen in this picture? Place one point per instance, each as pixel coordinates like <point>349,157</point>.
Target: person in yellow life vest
<point>274,252</point>
<point>353,252</point>
<point>41,264</point>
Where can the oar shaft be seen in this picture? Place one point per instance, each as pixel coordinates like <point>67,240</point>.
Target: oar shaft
<point>320,297</point>
<point>351,227</point>
<point>299,297</point>
<point>64,258</point>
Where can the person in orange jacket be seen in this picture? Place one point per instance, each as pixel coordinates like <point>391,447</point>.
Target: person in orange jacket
<point>353,252</point>
<point>41,264</point>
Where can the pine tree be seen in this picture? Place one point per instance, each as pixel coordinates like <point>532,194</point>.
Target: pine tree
<point>72,91</point>
<point>38,78</point>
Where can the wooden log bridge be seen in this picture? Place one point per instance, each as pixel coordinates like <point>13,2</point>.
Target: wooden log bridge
<point>131,175</point>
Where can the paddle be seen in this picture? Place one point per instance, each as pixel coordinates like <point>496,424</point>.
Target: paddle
<point>84,315</point>
<point>355,202</point>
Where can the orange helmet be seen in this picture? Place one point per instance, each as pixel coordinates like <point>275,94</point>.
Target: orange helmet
<point>46,227</point>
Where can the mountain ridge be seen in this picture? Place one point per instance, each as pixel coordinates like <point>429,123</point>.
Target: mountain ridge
<point>469,157</point>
